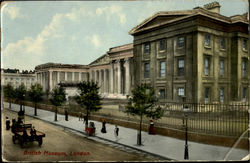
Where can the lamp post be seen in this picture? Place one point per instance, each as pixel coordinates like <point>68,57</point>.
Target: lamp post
<point>186,111</point>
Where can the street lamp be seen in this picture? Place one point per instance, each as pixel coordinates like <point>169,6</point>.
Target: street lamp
<point>186,111</point>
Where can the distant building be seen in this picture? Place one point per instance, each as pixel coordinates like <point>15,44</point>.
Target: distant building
<point>16,78</point>
<point>198,54</point>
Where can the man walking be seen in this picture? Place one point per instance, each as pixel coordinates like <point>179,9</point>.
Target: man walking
<point>116,132</point>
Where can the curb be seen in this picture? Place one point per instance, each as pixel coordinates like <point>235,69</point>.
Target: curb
<point>140,150</point>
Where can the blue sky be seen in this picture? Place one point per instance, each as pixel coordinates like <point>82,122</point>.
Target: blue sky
<point>37,32</point>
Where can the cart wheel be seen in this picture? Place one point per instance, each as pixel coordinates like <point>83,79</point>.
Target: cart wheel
<point>40,141</point>
<point>14,139</point>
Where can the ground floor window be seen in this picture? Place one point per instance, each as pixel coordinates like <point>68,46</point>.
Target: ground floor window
<point>207,94</point>
<point>181,91</point>
<point>222,95</point>
<point>244,93</point>
<point>162,93</point>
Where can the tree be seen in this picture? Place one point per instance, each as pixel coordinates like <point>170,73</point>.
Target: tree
<point>36,93</point>
<point>88,97</point>
<point>20,93</point>
<point>143,103</point>
<point>9,93</point>
<point>58,97</point>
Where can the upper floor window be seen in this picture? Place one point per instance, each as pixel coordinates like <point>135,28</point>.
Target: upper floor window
<point>162,69</point>
<point>221,94</point>
<point>181,91</point>
<point>207,94</point>
<point>244,93</point>
<point>181,42</point>
<point>11,78</point>
<point>244,44</point>
<point>207,40</point>
<point>222,67</point>
<point>244,68</point>
<point>6,78</point>
<point>17,79</point>
<point>146,70</point>
<point>162,93</point>
<point>222,43</point>
<point>206,66</point>
<point>163,45</point>
<point>147,47</point>
<point>181,65</point>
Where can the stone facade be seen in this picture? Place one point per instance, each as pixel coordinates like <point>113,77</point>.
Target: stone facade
<point>16,78</point>
<point>197,54</point>
<point>111,71</point>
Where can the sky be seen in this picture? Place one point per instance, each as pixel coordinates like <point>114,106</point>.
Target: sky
<point>78,32</point>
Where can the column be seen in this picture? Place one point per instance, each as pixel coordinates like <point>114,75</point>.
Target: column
<point>73,76</point>
<point>44,81</point>
<point>105,81</point>
<point>50,80</point>
<point>127,80</point>
<point>96,76</point>
<point>111,77</point>
<point>66,76</point>
<point>100,80</point>
<point>80,76</point>
<point>58,77</point>
<point>119,76</point>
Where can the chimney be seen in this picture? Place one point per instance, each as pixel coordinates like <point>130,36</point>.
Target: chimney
<point>213,7</point>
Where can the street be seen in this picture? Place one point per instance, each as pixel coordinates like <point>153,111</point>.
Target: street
<point>59,145</point>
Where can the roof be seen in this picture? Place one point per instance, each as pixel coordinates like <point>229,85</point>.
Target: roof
<point>59,65</point>
<point>174,16</point>
<point>121,48</point>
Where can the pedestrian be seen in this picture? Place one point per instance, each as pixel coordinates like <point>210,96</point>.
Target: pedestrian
<point>66,115</point>
<point>7,123</point>
<point>116,132</point>
<point>80,116</point>
<point>103,130</point>
<point>151,128</point>
<point>33,132</point>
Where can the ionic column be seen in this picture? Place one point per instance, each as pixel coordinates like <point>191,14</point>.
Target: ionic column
<point>119,76</point>
<point>105,81</point>
<point>73,76</point>
<point>95,76</point>
<point>127,80</point>
<point>58,77</point>
<point>80,76</point>
<point>100,80</point>
<point>66,76</point>
<point>111,78</point>
<point>44,81</point>
<point>50,80</point>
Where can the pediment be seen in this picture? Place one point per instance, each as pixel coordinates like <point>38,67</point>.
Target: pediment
<point>101,60</point>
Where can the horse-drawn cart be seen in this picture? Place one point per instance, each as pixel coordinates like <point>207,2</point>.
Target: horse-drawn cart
<point>23,133</point>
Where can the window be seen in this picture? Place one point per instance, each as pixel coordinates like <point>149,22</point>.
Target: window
<point>244,93</point>
<point>244,68</point>
<point>17,79</point>
<point>146,70</point>
<point>207,40</point>
<point>222,67</point>
<point>207,94</point>
<point>162,69</point>
<point>181,67</point>
<point>22,79</point>
<point>33,79</point>
<point>6,78</point>
<point>11,78</point>
<point>163,45</point>
<point>181,42</point>
<point>162,93</point>
<point>146,48</point>
<point>221,94</point>
<point>206,66</point>
<point>244,44</point>
<point>181,91</point>
<point>222,43</point>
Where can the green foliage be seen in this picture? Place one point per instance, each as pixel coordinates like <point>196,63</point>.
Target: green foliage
<point>20,92</point>
<point>88,97</point>
<point>143,102</point>
<point>9,91</point>
<point>58,96</point>
<point>36,92</point>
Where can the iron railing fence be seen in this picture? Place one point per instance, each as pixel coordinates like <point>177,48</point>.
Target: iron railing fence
<point>229,119</point>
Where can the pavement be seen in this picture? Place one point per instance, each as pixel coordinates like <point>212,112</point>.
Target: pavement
<point>158,145</point>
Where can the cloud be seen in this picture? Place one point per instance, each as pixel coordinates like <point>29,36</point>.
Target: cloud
<point>13,12</point>
<point>112,10</point>
<point>94,39</point>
